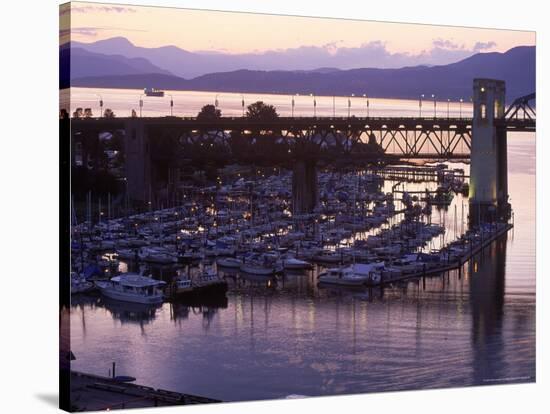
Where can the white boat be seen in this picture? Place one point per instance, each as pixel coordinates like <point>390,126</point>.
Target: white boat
<point>264,264</point>
<point>156,255</point>
<point>206,283</point>
<point>131,287</point>
<point>372,272</point>
<point>341,276</point>
<point>355,275</point>
<point>126,254</point>
<point>291,263</point>
<point>183,285</point>
<point>408,264</point>
<point>328,257</point>
<point>207,278</point>
<point>258,269</point>
<point>229,262</point>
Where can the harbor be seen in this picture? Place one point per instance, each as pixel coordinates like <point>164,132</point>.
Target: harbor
<point>245,225</point>
<point>236,272</point>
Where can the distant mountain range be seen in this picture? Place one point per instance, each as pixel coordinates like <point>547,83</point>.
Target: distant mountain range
<point>116,63</point>
<point>189,65</point>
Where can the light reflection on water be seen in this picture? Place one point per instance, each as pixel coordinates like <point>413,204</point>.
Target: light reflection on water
<point>472,327</point>
<point>189,103</point>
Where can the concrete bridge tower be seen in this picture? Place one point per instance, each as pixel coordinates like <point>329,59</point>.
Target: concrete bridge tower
<point>304,187</point>
<point>489,164</point>
<point>138,161</point>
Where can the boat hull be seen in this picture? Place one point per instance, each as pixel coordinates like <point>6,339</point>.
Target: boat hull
<point>342,282</point>
<point>255,270</point>
<point>124,297</point>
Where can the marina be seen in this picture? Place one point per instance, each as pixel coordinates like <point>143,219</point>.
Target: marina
<point>247,283</point>
<point>246,225</point>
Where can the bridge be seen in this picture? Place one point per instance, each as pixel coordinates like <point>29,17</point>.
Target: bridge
<point>407,137</point>
<point>152,144</point>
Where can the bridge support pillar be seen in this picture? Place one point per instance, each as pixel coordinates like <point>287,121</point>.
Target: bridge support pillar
<point>489,165</point>
<point>304,187</point>
<point>138,161</point>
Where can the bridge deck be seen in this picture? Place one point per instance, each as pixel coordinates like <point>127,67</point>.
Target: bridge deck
<point>288,123</point>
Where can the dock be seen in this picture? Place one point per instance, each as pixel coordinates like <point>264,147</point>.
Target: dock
<point>416,173</point>
<point>454,264</point>
<point>97,393</point>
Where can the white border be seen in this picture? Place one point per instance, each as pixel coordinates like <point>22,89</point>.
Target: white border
<point>28,159</point>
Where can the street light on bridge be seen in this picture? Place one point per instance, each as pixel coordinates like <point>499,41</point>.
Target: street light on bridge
<point>292,103</point>
<point>100,105</point>
<point>365,96</point>
<point>349,105</point>
<point>171,105</point>
<point>420,106</point>
<point>216,101</point>
<point>435,106</point>
<point>314,105</point>
<point>242,103</point>
<point>448,103</point>
<point>461,100</point>
<point>140,104</point>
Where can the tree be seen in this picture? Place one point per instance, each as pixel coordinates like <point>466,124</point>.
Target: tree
<point>261,112</point>
<point>77,113</point>
<point>88,113</point>
<point>109,113</point>
<point>209,113</point>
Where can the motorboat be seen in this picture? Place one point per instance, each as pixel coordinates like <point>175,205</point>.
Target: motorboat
<point>208,279</point>
<point>357,274</point>
<point>260,265</point>
<point>343,276</point>
<point>181,286</point>
<point>206,282</point>
<point>408,264</point>
<point>126,254</point>
<point>132,287</point>
<point>229,262</point>
<point>156,255</point>
<point>328,257</point>
<point>292,263</point>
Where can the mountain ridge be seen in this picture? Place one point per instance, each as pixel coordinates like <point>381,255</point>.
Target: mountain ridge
<point>453,81</point>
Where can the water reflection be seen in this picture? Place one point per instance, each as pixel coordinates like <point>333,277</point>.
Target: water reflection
<point>487,302</point>
<point>272,337</point>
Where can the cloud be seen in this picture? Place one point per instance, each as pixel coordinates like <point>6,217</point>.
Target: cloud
<point>85,31</point>
<point>479,46</point>
<point>65,34</point>
<point>372,54</point>
<point>446,44</point>
<point>101,9</point>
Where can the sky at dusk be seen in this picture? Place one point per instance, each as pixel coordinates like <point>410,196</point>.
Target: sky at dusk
<point>332,42</point>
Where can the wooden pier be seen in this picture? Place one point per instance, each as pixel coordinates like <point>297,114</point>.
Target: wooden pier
<point>96,393</point>
<point>415,173</point>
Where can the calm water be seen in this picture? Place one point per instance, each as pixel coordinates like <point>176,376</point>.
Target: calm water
<point>189,103</point>
<point>476,327</point>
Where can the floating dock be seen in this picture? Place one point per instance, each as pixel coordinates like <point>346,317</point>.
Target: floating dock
<point>96,393</point>
<point>454,264</point>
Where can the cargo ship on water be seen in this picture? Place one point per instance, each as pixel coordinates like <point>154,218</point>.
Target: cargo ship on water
<point>153,92</point>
